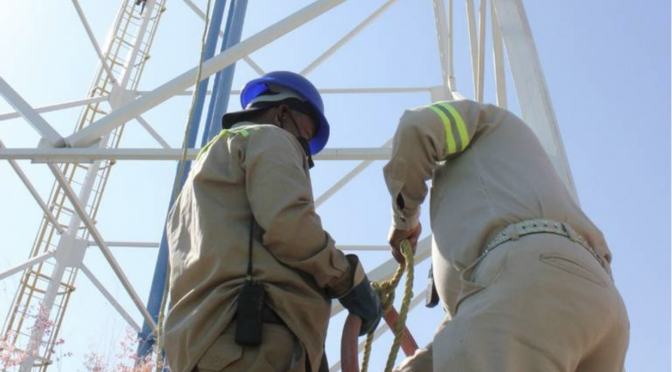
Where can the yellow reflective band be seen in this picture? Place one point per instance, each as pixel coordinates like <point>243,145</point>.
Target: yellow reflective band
<point>203,149</point>
<point>459,123</point>
<point>244,130</point>
<point>450,140</point>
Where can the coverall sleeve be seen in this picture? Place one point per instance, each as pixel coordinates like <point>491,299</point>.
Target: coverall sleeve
<point>425,136</point>
<point>280,193</point>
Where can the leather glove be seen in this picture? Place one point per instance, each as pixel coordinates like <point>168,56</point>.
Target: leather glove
<point>364,302</point>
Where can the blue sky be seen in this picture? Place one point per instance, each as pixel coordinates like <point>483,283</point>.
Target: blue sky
<point>607,68</point>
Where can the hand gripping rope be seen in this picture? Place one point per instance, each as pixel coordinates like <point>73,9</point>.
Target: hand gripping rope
<point>396,321</point>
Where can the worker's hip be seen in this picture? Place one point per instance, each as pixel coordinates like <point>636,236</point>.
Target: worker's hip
<point>280,351</point>
<point>542,290</point>
<point>533,257</point>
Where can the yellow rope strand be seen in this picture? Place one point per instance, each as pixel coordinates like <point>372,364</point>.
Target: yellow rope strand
<point>405,304</point>
<point>386,291</point>
<point>176,190</point>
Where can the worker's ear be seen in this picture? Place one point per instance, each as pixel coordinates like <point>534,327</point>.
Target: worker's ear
<point>278,115</point>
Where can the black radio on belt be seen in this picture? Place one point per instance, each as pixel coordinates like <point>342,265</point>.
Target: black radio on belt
<point>251,304</point>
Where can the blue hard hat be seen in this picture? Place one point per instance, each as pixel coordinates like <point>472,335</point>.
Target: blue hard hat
<point>302,87</point>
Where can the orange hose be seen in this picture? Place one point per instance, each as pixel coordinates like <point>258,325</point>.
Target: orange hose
<point>349,346</point>
<point>349,352</point>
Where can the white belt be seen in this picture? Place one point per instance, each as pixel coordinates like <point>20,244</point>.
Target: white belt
<point>538,226</point>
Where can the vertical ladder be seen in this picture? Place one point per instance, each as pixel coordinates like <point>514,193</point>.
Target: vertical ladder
<point>33,324</point>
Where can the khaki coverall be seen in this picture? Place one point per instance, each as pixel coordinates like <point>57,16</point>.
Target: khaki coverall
<point>250,172</point>
<point>538,303</point>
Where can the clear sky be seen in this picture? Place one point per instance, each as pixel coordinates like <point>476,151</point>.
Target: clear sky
<point>607,67</point>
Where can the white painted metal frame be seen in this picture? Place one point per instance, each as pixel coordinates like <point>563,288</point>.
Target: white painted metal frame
<point>444,38</point>
<point>533,96</point>
<point>33,191</point>
<point>38,123</point>
<point>159,95</point>
<point>509,28</point>
<point>22,266</point>
<point>84,155</point>
<point>92,37</point>
<point>250,62</point>
<point>345,39</point>
<point>55,107</point>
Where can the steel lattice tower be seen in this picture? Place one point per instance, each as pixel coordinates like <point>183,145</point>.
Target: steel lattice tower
<point>81,162</point>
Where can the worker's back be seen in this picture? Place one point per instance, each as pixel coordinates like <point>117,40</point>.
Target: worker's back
<point>496,173</point>
<point>521,271</point>
<point>503,177</point>
<point>250,174</point>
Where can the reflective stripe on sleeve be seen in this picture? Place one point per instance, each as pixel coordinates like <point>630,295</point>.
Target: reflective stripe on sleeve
<point>450,139</point>
<point>459,123</point>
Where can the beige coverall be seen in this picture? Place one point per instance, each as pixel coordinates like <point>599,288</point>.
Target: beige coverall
<point>250,172</point>
<point>538,303</point>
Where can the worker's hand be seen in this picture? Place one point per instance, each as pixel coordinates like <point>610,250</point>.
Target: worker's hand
<point>364,302</point>
<point>396,236</point>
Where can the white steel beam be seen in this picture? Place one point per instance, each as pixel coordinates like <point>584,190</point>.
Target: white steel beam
<point>374,90</point>
<point>83,155</point>
<point>254,65</point>
<point>113,301</point>
<point>97,237</point>
<point>480,75</point>
<point>32,117</point>
<point>153,132</point>
<point>247,59</point>
<point>348,177</point>
<point>133,55</point>
<point>473,43</point>
<point>342,182</point>
<point>444,37</point>
<point>69,253</point>
<point>335,91</point>
<point>530,84</point>
<point>18,268</point>
<point>145,102</point>
<point>500,75</point>
<point>92,37</point>
<point>59,106</point>
<point>345,39</point>
<point>128,244</point>
<point>33,192</point>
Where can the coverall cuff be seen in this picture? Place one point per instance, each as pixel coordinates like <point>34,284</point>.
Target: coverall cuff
<point>350,278</point>
<point>405,222</point>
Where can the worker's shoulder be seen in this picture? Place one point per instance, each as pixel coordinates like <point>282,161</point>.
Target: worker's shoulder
<point>267,136</point>
<point>249,130</point>
<point>445,106</point>
<point>445,111</point>
<point>436,111</point>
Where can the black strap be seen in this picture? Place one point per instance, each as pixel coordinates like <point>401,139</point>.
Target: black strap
<point>249,258</point>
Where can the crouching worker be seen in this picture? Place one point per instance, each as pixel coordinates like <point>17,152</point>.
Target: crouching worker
<point>252,270</point>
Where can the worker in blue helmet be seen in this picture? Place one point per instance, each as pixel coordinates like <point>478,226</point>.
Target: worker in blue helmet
<point>295,99</point>
<point>253,272</point>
